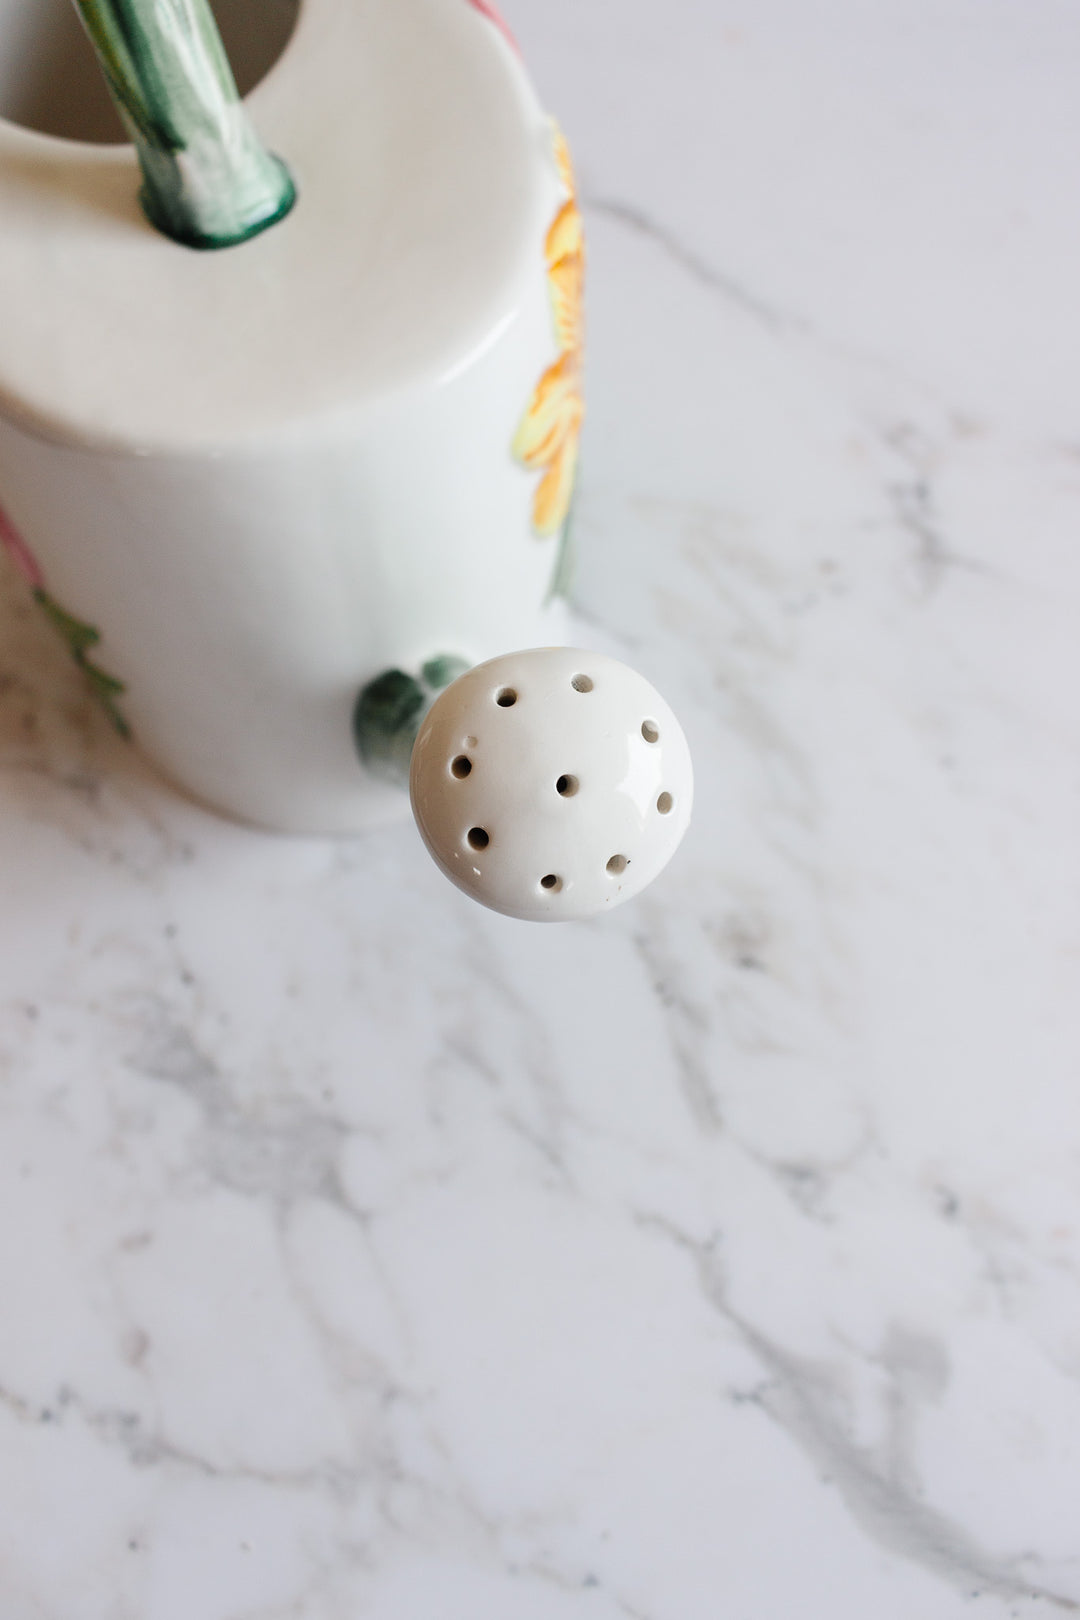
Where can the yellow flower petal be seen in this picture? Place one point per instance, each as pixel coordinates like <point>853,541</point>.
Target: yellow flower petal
<point>552,499</point>
<point>554,411</point>
<point>565,280</point>
<point>547,435</point>
<point>565,235</point>
<point>563,161</point>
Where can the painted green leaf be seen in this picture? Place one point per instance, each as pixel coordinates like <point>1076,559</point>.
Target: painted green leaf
<point>388,711</point>
<point>79,638</point>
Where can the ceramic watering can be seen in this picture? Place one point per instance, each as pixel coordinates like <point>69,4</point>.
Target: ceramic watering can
<point>290,392</point>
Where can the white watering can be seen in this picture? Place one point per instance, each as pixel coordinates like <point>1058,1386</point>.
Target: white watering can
<point>278,497</point>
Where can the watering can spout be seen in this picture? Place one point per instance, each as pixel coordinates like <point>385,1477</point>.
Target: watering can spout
<point>487,754</point>
<point>208,182</point>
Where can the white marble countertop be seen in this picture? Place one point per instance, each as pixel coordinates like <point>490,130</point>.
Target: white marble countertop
<point>364,1254</point>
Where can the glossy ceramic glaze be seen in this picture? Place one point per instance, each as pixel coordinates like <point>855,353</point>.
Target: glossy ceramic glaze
<point>551,784</point>
<point>367,1255</point>
<point>263,476</point>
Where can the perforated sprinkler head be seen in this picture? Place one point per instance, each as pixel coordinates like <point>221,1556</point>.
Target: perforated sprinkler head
<point>551,784</point>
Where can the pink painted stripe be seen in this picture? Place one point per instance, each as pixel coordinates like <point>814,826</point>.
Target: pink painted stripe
<point>492,15</point>
<point>20,553</point>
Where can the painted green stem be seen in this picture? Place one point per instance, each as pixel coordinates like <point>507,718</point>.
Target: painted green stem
<point>207,180</point>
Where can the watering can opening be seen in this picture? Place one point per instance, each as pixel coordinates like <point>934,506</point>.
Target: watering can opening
<point>427,185</point>
<point>51,83</point>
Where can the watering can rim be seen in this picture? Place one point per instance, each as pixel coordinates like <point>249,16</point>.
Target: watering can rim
<point>85,205</point>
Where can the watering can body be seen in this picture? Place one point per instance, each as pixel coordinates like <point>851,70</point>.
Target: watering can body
<point>256,478</point>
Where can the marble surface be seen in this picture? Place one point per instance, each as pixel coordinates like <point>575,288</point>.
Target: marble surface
<point>363,1254</point>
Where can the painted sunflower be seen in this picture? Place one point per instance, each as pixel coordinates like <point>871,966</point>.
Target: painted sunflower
<point>547,437</point>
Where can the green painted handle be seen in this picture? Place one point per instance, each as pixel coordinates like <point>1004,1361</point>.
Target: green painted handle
<point>207,180</point>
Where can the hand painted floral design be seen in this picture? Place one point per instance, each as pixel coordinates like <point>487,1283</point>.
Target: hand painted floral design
<point>548,434</point>
<point>80,637</point>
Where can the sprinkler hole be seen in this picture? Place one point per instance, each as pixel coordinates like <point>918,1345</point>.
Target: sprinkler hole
<point>506,697</point>
<point>582,683</point>
<point>617,864</point>
<point>477,838</point>
<point>551,883</point>
<point>665,803</point>
<point>650,731</point>
<point>567,786</point>
<point>461,767</point>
